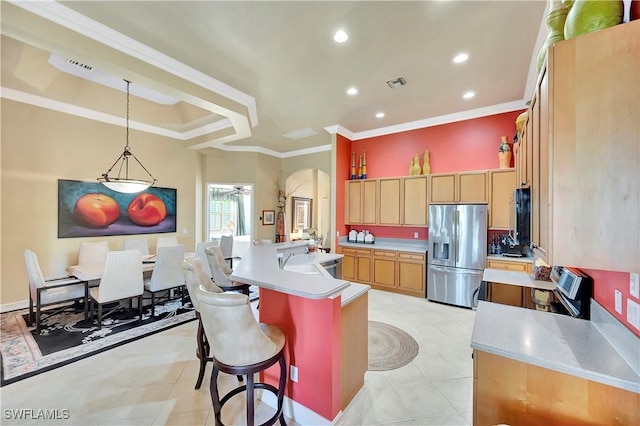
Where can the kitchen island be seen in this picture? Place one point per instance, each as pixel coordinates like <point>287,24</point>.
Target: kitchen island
<point>534,367</point>
<point>325,321</point>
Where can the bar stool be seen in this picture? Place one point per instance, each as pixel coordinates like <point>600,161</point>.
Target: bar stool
<point>195,275</point>
<point>240,345</point>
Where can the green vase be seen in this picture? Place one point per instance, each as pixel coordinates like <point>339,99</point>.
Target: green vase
<point>555,25</point>
<point>586,16</point>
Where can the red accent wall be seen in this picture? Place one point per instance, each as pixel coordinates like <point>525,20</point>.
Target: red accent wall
<point>453,147</point>
<point>604,285</point>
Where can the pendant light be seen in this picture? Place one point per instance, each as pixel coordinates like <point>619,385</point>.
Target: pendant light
<point>126,184</point>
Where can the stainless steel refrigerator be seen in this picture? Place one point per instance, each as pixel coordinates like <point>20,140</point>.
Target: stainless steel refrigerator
<point>457,252</point>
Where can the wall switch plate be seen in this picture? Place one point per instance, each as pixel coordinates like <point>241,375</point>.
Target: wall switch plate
<point>633,313</point>
<point>415,235</point>
<point>293,373</point>
<point>184,230</point>
<point>618,301</point>
<point>337,234</point>
<point>634,284</point>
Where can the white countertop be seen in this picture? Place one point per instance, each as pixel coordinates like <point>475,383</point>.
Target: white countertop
<point>259,267</point>
<point>523,259</point>
<point>396,244</point>
<point>557,342</point>
<point>521,279</point>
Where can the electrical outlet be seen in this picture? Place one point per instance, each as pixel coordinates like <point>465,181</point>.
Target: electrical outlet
<point>618,301</point>
<point>293,373</point>
<point>415,235</point>
<point>634,284</point>
<point>184,230</point>
<point>633,313</point>
<point>337,234</point>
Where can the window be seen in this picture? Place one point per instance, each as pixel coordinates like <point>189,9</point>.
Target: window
<point>228,208</point>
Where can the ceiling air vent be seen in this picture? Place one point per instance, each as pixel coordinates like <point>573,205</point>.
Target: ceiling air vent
<point>79,64</point>
<point>396,82</point>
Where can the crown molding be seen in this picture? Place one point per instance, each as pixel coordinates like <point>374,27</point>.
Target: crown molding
<point>68,18</point>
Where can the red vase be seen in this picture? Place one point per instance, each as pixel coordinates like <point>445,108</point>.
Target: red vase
<point>634,10</point>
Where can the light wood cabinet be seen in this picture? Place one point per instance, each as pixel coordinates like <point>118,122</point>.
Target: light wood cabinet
<point>509,294</point>
<point>594,150</point>
<point>524,158</point>
<point>452,188</point>
<point>411,274</point>
<point>501,208</point>
<point>506,391</point>
<point>389,207</point>
<point>361,202</point>
<point>414,201</point>
<point>384,268</point>
<point>356,265</point>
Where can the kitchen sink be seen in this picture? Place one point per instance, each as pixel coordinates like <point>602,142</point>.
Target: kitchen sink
<point>307,268</point>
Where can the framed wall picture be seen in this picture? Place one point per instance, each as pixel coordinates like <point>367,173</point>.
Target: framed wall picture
<point>90,209</point>
<point>268,217</point>
<point>301,217</point>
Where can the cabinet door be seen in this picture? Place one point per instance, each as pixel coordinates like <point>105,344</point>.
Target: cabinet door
<point>384,268</point>
<point>353,202</point>
<point>472,188</point>
<point>540,197</point>
<point>348,267</point>
<point>501,208</point>
<point>363,268</point>
<point>505,294</point>
<point>389,205</point>
<point>415,201</point>
<point>411,273</point>
<point>596,150</point>
<point>525,156</point>
<point>442,188</point>
<point>369,201</point>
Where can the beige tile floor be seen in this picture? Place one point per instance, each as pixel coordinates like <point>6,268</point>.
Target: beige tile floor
<point>150,381</point>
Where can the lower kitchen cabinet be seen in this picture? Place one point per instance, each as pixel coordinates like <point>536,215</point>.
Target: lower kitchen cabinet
<point>384,268</point>
<point>356,265</point>
<point>506,391</point>
<point>509,294</point>
<point>411,274</point>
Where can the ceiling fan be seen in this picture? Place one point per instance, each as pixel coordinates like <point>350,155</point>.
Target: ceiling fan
<point>237,190</point>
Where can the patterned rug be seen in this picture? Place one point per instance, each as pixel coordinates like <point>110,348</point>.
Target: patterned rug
<point>389,347</point>
<point>66,337</point>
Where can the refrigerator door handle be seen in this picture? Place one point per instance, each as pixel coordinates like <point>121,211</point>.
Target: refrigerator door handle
<point>456,270</point>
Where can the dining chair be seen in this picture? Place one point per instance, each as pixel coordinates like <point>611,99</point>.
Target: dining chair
<point>121,279</point>
<point>203,256</point>
<point>139,243</point>
<point>218,275</point>
<point>195,276</point>
<point>49,291</point>
<point>93,252</point>
<point>226,246</point>
<point>166,241</point>
<point>167,274</point>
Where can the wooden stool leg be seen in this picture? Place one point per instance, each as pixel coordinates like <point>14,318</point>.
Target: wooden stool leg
<point>202,354</point>
<point>283,381</point>
<point>215,397</point>
<point>250,402</point>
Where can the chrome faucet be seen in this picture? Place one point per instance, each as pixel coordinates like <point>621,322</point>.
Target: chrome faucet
<point>283,260</point>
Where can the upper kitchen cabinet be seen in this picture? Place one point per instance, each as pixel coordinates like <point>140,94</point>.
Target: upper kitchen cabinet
<point>414,205</point>
<point>588,161</point>
<point>524,157</point>
<point>403,201</point>
<point>502,184</point>
<point>452,188</point>
<point>361,201</point>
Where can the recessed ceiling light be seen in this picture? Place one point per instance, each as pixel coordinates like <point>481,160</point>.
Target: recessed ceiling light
<point>352,91</point>
<point>340,36</point>
<point>460,58</point>
<point>380,114</point>
<point>469,95</point>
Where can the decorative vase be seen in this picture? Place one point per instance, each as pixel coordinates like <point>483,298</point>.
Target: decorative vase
<point>415,166</point>
<point>426,167</point>
<point>363,174</point>
<point>555,25</point>
<point>634,10</point>
<point>504,154</point>
<point>353,166</point>
<point>586,16</point>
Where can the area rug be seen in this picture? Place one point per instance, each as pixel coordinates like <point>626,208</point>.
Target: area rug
<point>66,337</point>
<point>389,347</point>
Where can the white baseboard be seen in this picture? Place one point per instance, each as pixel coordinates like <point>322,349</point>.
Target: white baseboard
<point>297,412</point>
<point>14,306</point>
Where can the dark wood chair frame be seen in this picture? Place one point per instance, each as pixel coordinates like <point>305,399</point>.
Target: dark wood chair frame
<point>249,371</point>
<point>93,302</point>
<point>39,315</point>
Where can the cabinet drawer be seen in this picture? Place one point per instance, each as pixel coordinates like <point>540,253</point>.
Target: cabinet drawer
<point>411,256</point>
<point>356,252</point>
<point>507,266</point>
<point>390,254</point>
